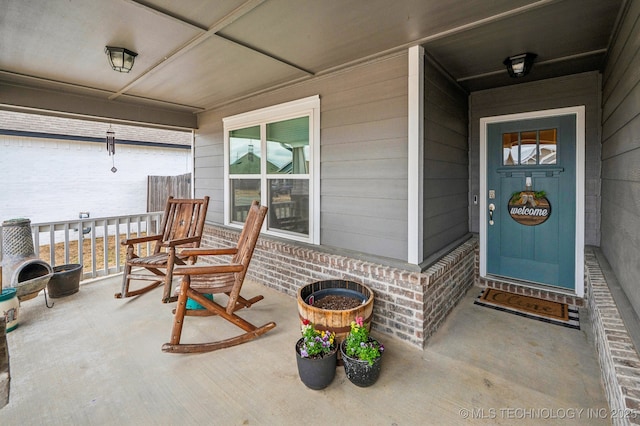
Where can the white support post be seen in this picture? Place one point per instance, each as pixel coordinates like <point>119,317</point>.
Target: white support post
<point>415,155</point>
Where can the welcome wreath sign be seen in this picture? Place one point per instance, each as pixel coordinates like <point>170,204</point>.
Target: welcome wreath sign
<point>529,208</point>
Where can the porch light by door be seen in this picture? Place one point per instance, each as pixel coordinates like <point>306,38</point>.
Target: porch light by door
<point>120,59</point>
<point>520,65</point>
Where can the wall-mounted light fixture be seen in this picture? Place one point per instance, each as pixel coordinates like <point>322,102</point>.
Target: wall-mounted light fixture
<point>120,59</point>
<point>520,65</point>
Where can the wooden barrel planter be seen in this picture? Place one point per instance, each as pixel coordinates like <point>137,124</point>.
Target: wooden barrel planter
<point>337,321</point>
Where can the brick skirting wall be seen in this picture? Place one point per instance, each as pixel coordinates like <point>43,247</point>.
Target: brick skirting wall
<point>409,305</point>
<point>413,305</point>
<point>619,360</point>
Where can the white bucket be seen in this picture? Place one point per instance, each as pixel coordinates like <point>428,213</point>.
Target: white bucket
<point>9,306</point>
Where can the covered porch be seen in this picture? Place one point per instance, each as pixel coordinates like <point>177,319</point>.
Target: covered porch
<point>402,94</point>
<point>93,359</point>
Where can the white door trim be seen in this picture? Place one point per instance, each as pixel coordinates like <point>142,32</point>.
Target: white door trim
<point>579,112</point>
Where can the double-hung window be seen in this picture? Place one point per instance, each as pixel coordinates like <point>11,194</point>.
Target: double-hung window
<point>272,155</point>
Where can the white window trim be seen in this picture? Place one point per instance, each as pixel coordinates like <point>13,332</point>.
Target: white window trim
<point>307,106</point>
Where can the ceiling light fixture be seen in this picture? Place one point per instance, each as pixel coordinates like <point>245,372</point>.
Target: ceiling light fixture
<point>520,65</point>
<point>120,59</point>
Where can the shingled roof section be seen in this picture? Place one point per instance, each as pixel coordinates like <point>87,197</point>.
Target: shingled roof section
<point>27,122</point>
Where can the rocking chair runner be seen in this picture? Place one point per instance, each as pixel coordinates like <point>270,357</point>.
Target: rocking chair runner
<point>182,226</point>
<point>199,280</point>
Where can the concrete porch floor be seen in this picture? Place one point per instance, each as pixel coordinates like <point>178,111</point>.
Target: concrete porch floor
<point>96,360</point>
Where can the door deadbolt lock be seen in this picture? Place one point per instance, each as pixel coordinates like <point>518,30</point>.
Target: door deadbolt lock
<point>492,207</point>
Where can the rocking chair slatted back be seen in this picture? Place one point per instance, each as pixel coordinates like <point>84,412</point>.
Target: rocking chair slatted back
<point>184,218</point>
<point>219,278</point>
<point>181,227</point>
<point>230,282</point>
<point>246,245</point>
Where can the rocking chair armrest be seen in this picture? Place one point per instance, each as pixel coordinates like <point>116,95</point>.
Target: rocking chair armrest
<point>138,240</point>
<point>203,251</point>
<point>207,269</point>
<point>181,241</point>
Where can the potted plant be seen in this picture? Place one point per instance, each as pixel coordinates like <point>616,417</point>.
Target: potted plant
<point>316,355</point>
<point>336,317</point>
<point>361,355</point>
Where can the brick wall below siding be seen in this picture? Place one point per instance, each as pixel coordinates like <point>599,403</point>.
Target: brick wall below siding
<point>412,305</point>
<point>619,360</point>
<point>409,305</point>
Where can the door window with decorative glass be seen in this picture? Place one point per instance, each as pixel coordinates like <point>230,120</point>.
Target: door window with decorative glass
<point>530,148</point>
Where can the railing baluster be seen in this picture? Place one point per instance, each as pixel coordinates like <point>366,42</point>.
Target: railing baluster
<point>81,245</point>
<point>66,243</point>
<point>45,234</point>
<point>94,269</point>
<point>36,240</point>
<point>117,244</point>
<point>52,246</point>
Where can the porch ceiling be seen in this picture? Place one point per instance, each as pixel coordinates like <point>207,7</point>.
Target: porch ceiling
<point>195,55</point>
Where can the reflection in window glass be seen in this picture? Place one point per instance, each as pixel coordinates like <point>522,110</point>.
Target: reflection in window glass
<point>289,205</point>
<point>288,146</point>
<point>244,151</point>
<point>510,148</point>
<point>273,157</point>
<point>243,192</point>
<point>530,148</point>
<point>528,145</point>
<point>548,145</point>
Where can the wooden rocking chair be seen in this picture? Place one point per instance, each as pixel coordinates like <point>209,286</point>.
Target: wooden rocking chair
<point>199,280</point>
<point>182,226</point>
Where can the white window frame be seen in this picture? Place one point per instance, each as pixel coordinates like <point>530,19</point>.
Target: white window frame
<point>310,107</point>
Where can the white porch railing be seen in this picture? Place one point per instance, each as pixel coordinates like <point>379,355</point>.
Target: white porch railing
<point>92,242</point>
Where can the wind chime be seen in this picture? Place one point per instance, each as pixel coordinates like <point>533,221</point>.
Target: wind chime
<point>111,148</point>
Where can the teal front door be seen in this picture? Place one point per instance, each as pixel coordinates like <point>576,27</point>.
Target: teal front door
<point>531,200</point>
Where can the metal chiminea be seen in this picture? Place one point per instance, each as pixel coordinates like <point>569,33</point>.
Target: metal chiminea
<point>21,268</point>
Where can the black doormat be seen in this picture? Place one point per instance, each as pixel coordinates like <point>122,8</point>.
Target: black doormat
<point>530,307</point>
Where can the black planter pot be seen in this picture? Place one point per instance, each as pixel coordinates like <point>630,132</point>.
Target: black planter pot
<point>359,372</point>
<point>316,373</point>
<point>65,280</point>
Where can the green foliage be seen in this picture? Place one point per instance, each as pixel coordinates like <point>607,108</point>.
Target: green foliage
<point>359,345</point>
<point>516,195</point>
<point>316,343</point>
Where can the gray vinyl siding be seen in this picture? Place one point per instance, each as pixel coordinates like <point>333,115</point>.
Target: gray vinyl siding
<point>621,156</point>
<point>573,90</point>
<point>363,155</point>
<point>446,162</point>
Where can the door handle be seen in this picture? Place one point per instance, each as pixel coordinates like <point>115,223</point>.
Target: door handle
<point>492,207</point>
